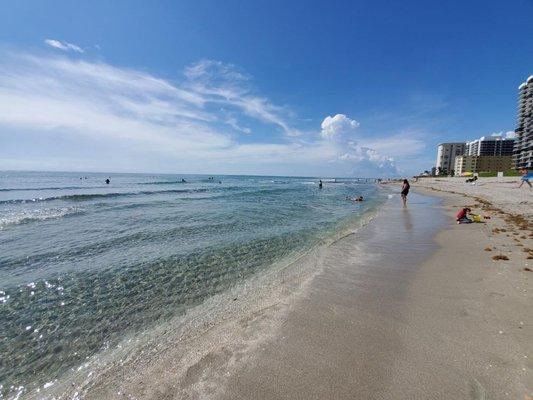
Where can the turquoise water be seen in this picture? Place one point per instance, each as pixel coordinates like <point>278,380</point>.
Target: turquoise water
<point>83,263</point>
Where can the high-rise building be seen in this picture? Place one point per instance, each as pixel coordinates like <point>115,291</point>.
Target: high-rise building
<point>490,146</point>
<point>523,147</point>
<point>446,153</point>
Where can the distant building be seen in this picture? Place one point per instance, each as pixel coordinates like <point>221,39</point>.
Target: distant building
<point>523,147</point>
<point>477,164</point>
<point>490,146</point>
<point>446,153</point>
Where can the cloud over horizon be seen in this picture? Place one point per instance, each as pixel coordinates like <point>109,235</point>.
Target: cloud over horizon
<point>208,121</point>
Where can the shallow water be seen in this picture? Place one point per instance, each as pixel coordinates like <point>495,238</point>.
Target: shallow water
<point>84,264</point>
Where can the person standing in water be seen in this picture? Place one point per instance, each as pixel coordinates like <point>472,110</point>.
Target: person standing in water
<point>320,184</point>
<point>405,191</point>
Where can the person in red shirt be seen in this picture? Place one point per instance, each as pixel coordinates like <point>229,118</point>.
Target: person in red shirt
<point>462,216</point>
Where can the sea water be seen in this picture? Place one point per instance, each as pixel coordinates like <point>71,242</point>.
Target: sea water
<point>84,263</point>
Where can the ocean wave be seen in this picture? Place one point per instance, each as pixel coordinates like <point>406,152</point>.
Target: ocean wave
<point>26,216</point>
<point>162,183</point>
<point>49,188</point>
<point>85,197</point>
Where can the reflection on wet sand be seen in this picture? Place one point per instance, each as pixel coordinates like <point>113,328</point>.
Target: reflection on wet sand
<point>407,219</point>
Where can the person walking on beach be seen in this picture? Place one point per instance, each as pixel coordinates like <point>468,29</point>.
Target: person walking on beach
<point>526,176</point>
<point>405,191</point>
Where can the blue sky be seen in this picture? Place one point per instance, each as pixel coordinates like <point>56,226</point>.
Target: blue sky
<point>345,88</point>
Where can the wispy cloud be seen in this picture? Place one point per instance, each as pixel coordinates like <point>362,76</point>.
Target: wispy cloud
<point>65,46</point>
<point>224,84</point>
<point>172,126</point>
<point>231,121</point>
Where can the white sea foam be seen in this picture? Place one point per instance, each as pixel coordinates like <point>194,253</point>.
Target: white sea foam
<point>16,217</point>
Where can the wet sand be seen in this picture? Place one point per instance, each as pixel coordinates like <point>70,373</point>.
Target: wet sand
<point>409,306</point>
<point>343,338</point>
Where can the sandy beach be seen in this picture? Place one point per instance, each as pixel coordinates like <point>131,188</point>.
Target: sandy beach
<point>410,306</point>
<point>501,192</point>
<point>457,326</point>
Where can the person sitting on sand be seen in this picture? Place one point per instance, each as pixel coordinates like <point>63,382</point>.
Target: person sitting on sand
<point>405,191</point>
<point>462,216</point>
<point>526,176</point>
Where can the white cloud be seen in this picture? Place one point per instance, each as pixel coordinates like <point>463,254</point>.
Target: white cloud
<point>65,46</point>
<point>504,135</point>
<point>341,131</point>
<point>223,84</point>
<point>337,125</point>
<point>510,135</point>
<point>166,126</point>
<point>233,123</point>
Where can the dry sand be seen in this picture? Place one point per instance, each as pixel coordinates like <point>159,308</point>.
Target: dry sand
<point>396,310</point>
<point>502,192</point>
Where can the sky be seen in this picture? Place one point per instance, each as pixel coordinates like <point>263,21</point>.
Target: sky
<point>303,88</point>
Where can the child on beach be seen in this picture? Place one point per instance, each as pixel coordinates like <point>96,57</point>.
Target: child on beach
<point>462,216</point>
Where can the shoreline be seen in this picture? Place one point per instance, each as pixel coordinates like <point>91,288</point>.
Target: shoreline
<point>205,366</point>
<point>408,306</point>
<point>219,316</point>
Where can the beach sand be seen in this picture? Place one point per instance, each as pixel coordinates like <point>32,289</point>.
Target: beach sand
<point>410,306</point>
<point>457,326</point>
<point>501,192</point>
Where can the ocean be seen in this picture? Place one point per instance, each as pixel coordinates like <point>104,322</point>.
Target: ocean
<point>84,264</point>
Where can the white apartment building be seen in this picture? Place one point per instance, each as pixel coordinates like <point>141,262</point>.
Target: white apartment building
<point>446,153</point>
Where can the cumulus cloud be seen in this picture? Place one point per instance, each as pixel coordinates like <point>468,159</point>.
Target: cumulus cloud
<point>167,126</point>
<point>510,135</point>
<point>65,46</point>
<point>504,135</point>
<point>341,131</point>
<point>370,159</point>
<point>337,125</point>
